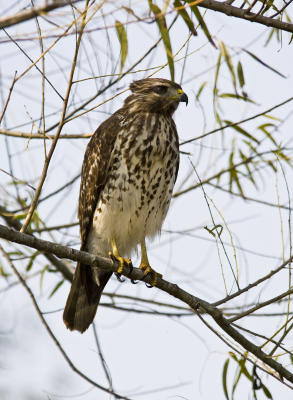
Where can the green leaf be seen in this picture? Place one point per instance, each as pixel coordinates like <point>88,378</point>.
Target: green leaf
<point>266,391</point>
<point>240,74</point>
<point>161,23</point>
<point>122,37</point>
<point>201,22</point>
<point>202,86</point>
<point>244,158</point>
<point>218,66</point>
<point>241,130</point>
<point>3,273</point>
<point>31,261</point>
<point>236,96</point>
<point>236,381</point>
<point>56,288</point>
<point>224,378</point>
<point>241,363</point>
<point>264,130</point>
<point>211,231</point>
<point>270,36</point>
<point>263,63</point>
<point>229,63</point>
<point>186,18</point>
<point>271,117</point>
<point>42,276</point>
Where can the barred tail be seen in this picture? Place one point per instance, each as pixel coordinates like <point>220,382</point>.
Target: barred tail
<point>84,296</point>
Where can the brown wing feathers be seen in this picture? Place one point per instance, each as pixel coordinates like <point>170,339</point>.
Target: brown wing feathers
<point>84,296</point>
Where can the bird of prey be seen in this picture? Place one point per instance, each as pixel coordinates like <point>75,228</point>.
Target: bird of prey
<point>128,174</point>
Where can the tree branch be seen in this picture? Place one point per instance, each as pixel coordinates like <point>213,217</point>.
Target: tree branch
<point>26,15</point>
<point>236,12</point>
<point>26,135</point>
<point>194,302</point>
<point>50,332</point>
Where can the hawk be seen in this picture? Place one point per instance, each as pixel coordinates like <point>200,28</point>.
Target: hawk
<point>128,174</point>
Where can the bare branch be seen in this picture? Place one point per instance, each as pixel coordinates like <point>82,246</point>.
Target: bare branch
<point>8,97</point>
<point>172,289</point>
<point>25,135</point>
<point>26,15</point>
<point>60,125</point>
<point>60,348</point>
<point>229,10</point>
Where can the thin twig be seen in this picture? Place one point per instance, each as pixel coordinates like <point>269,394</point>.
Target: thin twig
<point>8,97</point>
<point>60,348</point>
<point>238,122</point>
<point>60,126</point>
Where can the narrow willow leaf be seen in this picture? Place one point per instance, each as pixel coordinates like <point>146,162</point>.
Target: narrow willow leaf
<point>241,130</point>
<point>269,4</point>
<point>42,276</point>
<point>263,63</point>
<point>186,18</point>
<point>19,216</point>
<point>211,231</point>
<point>236,96</point>
<point>161,23</point>
<point>263,128</point>
<point>122,37</point>
<point>3,273</point>
<point>240,74</point>
<point>219,119</point>
<point>270,37</point>
<point>271,117</point>
<point>237,181</point>
<point>266,391</point>
<point>56,288</point>
<point>231,166</point>
<point>236,382</point>
<point>241,363</point>
<point>287,16</point>
<point>244,369</point>
<point>201,22</point>
<point>218,66</point>
<point>224,378</point>
<point>229,63</point>
<point>31,261</point>
<point>284,157</point>
<point>202,86</point>
<point>244,158</point>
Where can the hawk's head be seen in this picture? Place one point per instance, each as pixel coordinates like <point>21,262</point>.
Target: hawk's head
<point>155,95</point>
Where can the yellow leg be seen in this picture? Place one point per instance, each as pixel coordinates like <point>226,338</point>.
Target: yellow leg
<point>145,265</point>
<point>115,254</point>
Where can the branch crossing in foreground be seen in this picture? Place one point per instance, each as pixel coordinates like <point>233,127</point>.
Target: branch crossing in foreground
<point>194,302</point>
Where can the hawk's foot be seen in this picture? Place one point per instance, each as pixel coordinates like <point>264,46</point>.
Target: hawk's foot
<point>147,269</point>
<point>122,261</point>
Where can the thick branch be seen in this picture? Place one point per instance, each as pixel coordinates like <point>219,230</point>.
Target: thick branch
<point>229,10</point>
<point>194,302</point>
<point>26,15</point>
<point>66,270</point>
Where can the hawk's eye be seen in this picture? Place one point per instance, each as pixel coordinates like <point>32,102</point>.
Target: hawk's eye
<point>160,89</point>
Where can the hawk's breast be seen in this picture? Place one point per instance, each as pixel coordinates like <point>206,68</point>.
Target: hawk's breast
<point>135,199</point>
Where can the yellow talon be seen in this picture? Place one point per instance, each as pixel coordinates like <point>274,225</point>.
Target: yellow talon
<point>145,265</point>
<point>121,261</point>
<point>114,254</point>
<point>147,269</point>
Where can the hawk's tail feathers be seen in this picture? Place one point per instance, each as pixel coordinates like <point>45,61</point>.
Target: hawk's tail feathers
<point>83,298</point>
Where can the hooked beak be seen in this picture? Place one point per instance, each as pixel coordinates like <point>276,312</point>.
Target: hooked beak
<point>184,98</point>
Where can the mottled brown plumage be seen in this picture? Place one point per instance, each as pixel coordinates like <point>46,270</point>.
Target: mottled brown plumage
<point>129,170</point>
